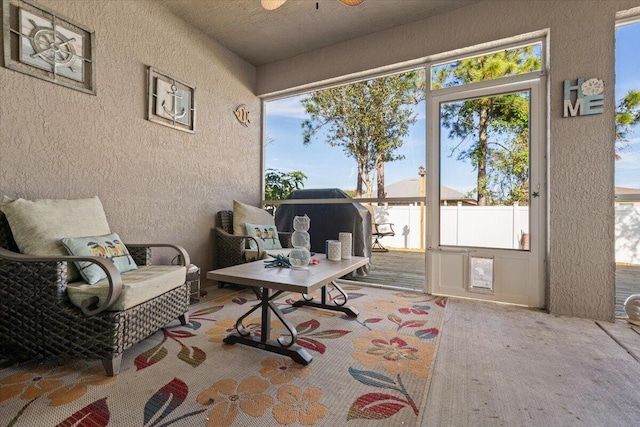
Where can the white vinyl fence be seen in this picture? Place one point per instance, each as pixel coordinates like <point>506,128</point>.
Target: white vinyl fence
<point>485,226</point>
<point>494,226</point>
<point>628,234</point>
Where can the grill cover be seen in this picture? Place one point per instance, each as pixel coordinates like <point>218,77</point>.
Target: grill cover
<point>327,220</point>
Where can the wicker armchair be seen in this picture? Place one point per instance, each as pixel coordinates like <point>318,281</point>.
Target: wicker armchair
<point>231,249</point>
<point>37,318</point>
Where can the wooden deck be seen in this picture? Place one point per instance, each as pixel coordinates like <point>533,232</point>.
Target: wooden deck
<point>406,269</point>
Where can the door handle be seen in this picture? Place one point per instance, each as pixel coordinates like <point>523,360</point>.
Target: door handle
<point>450,250</point>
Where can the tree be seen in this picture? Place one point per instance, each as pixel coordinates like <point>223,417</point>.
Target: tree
<point>368,120</point>
<point>509,172</point>
<point>350,193</point>
<point>627,116</point>
<point>278,185</point>
<point>505,117</point>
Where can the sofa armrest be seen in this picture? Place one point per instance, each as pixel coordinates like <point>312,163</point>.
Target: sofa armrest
<point>231,248</point>
<point>92,305</point>
<point>183,256</point>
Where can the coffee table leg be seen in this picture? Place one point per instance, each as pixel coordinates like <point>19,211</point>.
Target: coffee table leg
<point>279,346</point>
<point>349,311</point>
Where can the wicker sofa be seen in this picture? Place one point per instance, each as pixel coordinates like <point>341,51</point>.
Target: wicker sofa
<point>38,318</point>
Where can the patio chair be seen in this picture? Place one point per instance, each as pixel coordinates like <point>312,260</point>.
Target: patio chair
<point>379,231</point>
<point>45,312</point>
<point>235,248</point>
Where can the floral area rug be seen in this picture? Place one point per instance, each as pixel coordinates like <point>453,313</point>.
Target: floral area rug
<point>373,370</point>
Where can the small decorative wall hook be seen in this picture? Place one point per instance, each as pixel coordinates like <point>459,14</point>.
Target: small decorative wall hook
<point>242,114</point>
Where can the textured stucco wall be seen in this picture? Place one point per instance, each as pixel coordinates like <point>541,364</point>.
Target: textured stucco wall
<point>157,184</point>
<point>580,261</point>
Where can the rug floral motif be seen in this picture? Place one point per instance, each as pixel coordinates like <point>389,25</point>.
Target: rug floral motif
<point>373,370</point>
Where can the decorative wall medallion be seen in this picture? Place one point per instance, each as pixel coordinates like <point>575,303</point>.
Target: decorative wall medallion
<point>588,97</point>
<point>171,101</point>
<point>43,44</point>
<point>242,114</point>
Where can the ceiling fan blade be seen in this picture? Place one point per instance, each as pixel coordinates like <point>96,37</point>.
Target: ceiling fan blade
<point>352,2</point>
<point>272,4</point>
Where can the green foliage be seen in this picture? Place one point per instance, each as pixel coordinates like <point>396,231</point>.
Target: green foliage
<point>278,185</point>
<point>493,130</point>
<point>627,116</point>
<point>367,120</point>
<point>486,67</point>
<point>508,181</point>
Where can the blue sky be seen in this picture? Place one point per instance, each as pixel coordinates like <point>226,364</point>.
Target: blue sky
<point>327,166</point>
<point>627,77</point>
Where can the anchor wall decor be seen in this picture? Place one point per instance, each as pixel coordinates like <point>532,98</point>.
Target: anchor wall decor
<point>171,101</point>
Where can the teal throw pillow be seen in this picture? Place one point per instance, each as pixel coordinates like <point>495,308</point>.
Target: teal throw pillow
<point>265,232</point>
<point>108,246</point>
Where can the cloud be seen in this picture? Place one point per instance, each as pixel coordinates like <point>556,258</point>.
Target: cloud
<point>628,161</point>
<point>286,107</point>
<point>629,156</point>
<point>627,169</point>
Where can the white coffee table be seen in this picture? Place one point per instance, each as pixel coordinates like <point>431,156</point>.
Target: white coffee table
<point>270,283</point>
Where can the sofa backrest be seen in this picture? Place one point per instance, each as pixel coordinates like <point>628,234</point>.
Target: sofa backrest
<point>225,221</point>
<point>6,238</point>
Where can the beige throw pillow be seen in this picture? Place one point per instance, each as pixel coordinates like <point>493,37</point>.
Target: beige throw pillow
<point>38,226</point>
<point>243,214</point>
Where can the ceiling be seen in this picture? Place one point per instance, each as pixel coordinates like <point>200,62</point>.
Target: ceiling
<point>260,36</point>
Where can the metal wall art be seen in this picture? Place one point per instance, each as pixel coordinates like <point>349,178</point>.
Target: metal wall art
<point>171,101</point>
<point>46,45</point>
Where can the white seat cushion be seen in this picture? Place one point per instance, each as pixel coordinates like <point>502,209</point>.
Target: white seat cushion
<point>138,286</point>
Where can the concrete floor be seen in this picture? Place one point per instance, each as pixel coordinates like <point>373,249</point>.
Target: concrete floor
<point>500,365</point>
